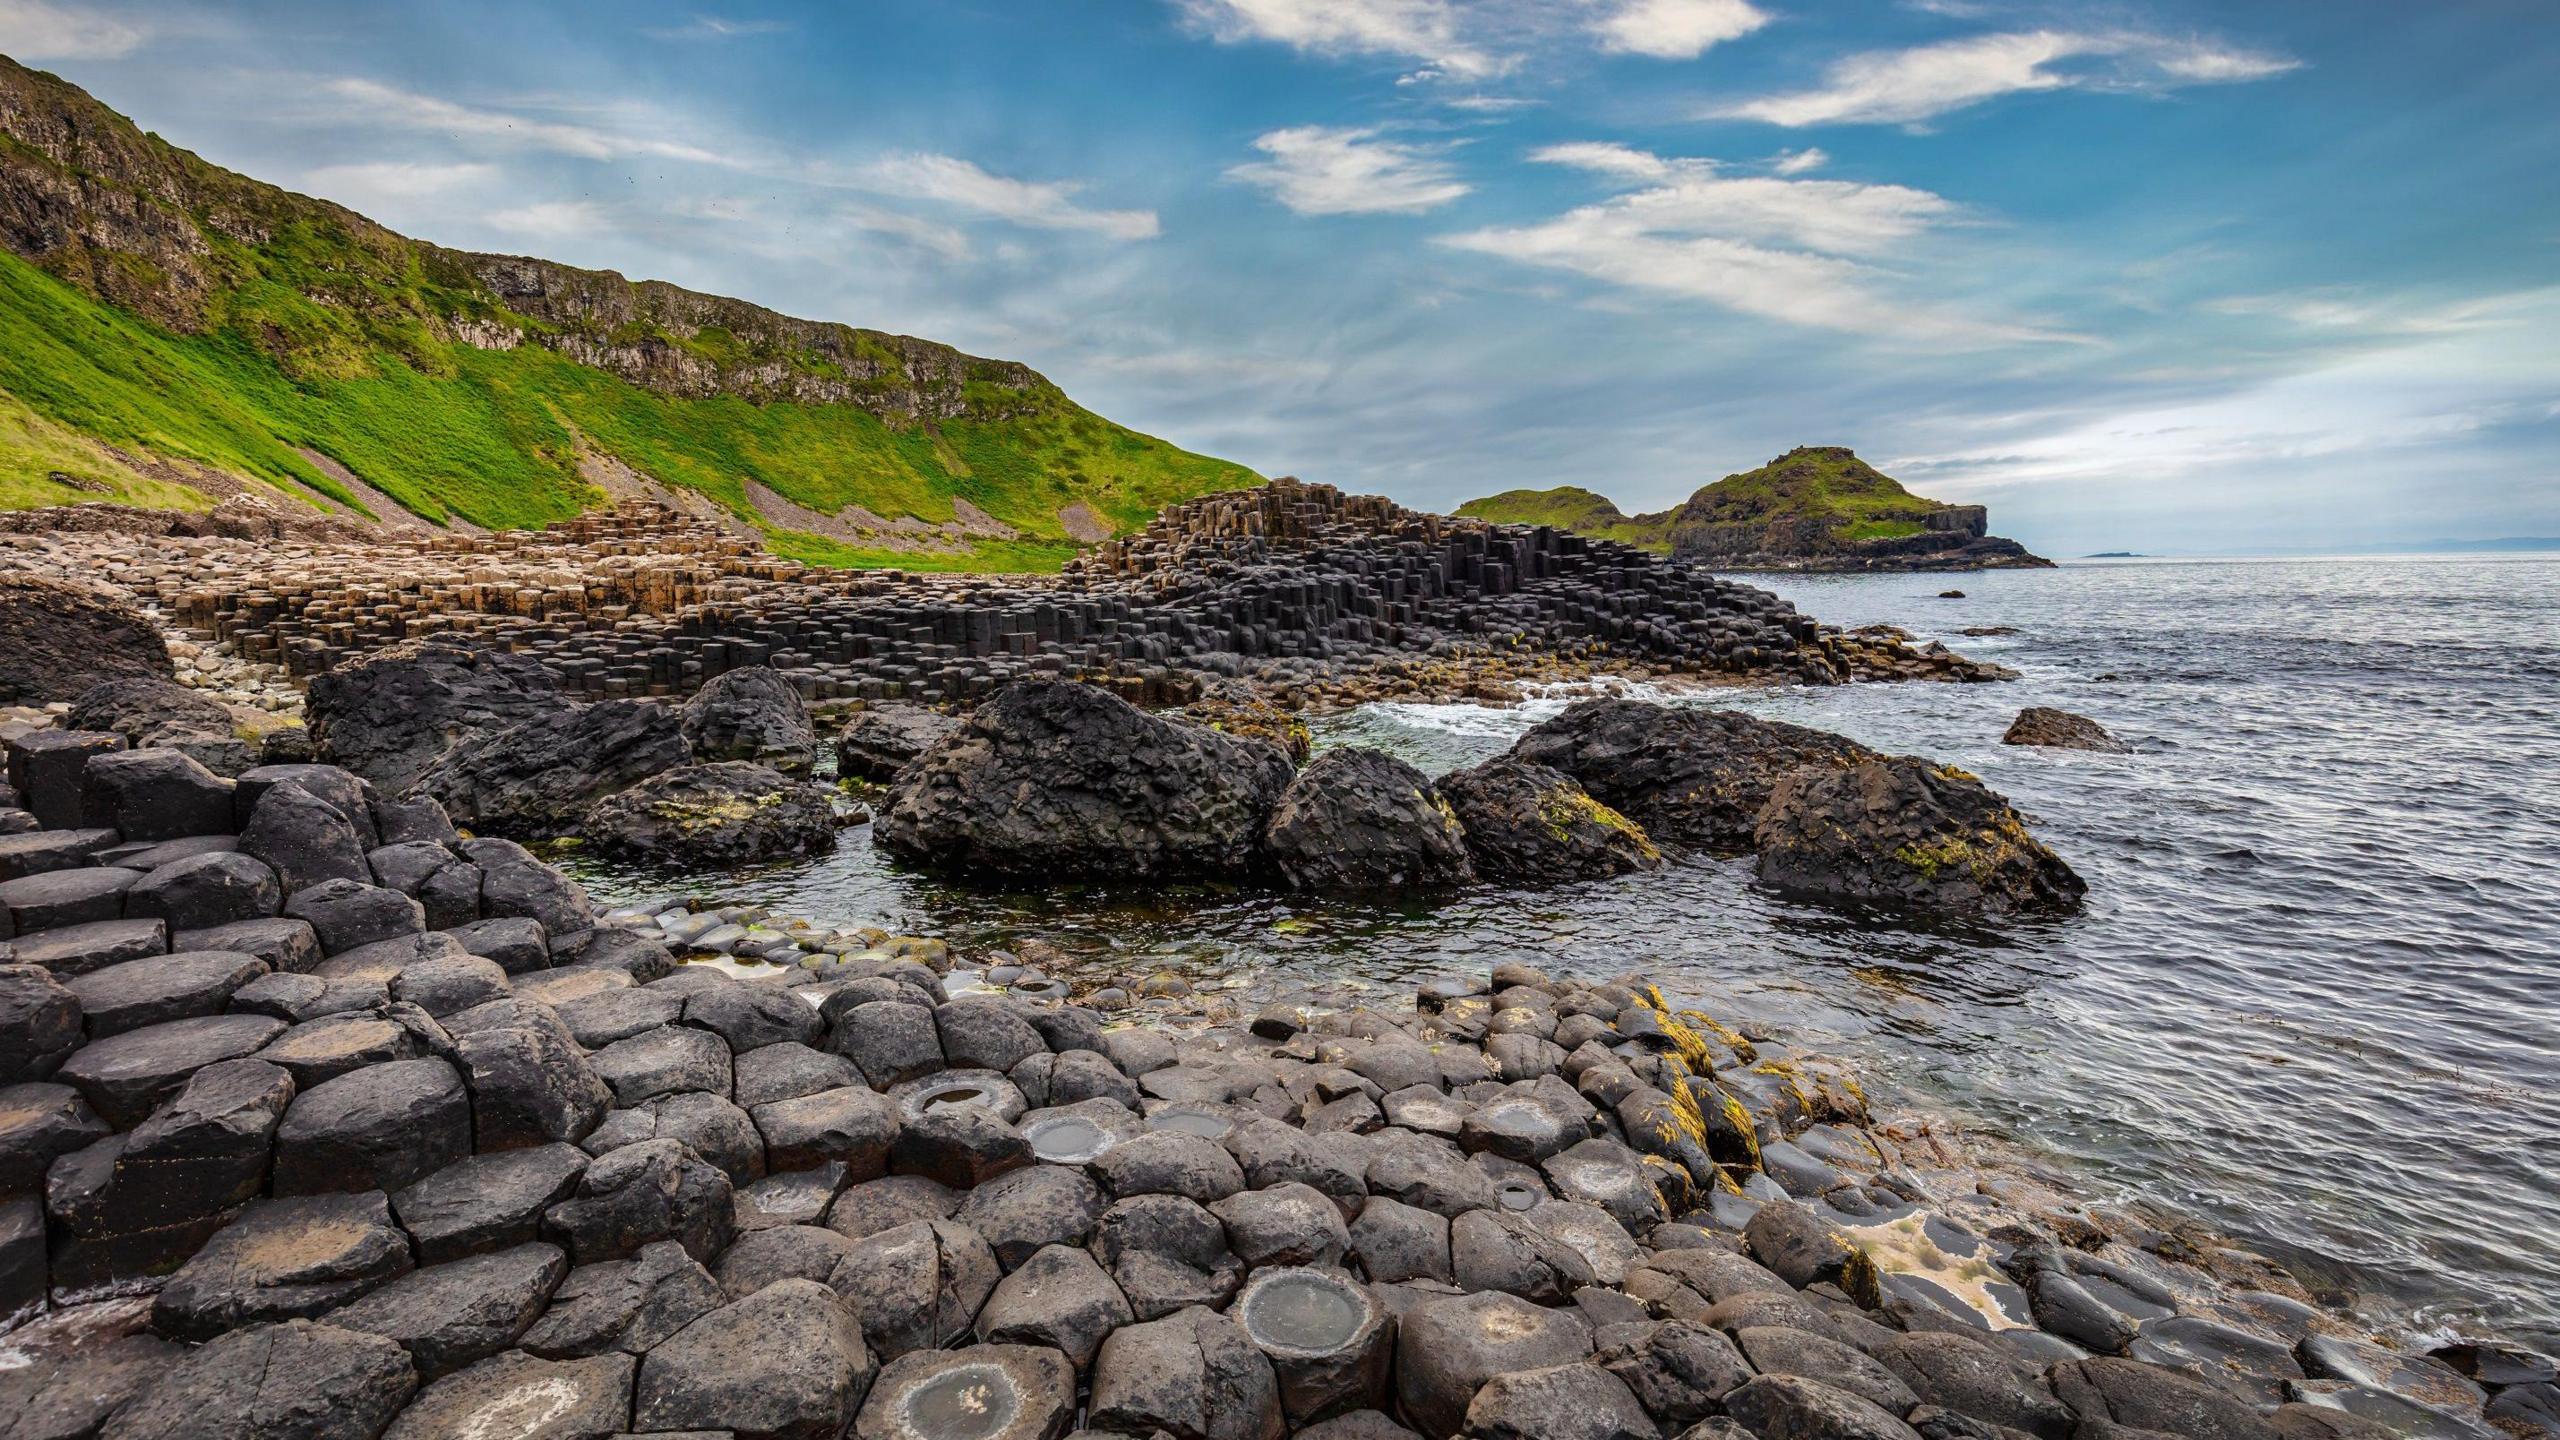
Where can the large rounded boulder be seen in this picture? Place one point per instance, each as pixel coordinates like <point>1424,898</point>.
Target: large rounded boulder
<point>1907,833</point>
<point>539,777</point>
<point>1526,823</point>
<point>755,715</point>
<point>62,637</point>
<point>885,739</point>
<point>1053,778</point>
<point>729,813</point>
<point>1689,776</point>
<point>1358,819</point>
<point>389,716</point>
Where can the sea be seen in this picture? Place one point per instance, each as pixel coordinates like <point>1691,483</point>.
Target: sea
<point>2313,1000</point>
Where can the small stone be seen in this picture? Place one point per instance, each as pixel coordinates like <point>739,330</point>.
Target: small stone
<point>1059,1298</point>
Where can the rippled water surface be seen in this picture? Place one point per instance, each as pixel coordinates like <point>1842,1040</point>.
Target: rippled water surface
<point>2314,998</point>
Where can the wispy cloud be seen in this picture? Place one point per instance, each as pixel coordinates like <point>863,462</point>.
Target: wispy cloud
<point>1675,29</point>
<point>374,184</point>
<point>549,220</point>
<point>962,184</point>
<point>1907,87</point>
<point>34,30</point>
<point>1797,162</point>
<point>1791,250</point>
<point>713,28</point>
<point>1425,32</point>
<point>1314,170</point>
<point>374,102</point>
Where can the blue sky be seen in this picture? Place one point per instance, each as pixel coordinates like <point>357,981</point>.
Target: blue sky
<point>2153,276</point>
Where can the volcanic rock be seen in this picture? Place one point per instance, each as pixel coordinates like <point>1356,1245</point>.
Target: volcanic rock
<point>1903,832</point>
<point>1359,819</point>
<point>751,714</point>
<point>62,637</point>
<point>1687,775</point>
<point>538,777</point>
<point>2061,730</point>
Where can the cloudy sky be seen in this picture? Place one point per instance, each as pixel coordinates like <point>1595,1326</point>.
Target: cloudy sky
<point>2154,275</point>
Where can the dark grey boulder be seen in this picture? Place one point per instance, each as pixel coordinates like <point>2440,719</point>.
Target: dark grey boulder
<point>1447,1349</point>
<point>624,1305</point>
<point>446,886</point>
<point>1776,1350</point>
<point>1330,1341</point>
<point>640,1194</point>
<point>786,1363</point>
<point>530,1086</point>
<point>890,1041</point>
<point>34,852</point>
<point>72,1373</point>
<point>1688,775</point>
<point>980,1033</point>
<point>206,890</point>
<point>523,1397</point>
<point>1193,1375</point>
<point>782,1252</point>
<point>290,1381</point>
<point>198,1156</point>
<point>1679,1372</point>
<point>348,914</point>
<point>2148,1397</point>
<point>402,820</point>
<point>320,1050</point>
<point>288,946</point>
<point>752,714</point>
<point>918,1286</point>
<point>785,1071</point>
<point>881,739</point>
<point>149,712</point>
<point>383,961</point>
<point>513,882</point>
<point>1971,1378</point>
<point>451,1315</point>
<point>604,1016</point>
<point>540,775</point>
<point>962,1146</point>
<point>1906,833</point>
<point>728,813</point>
<point>708,1124</point>
<point>1359,819</point>
<point>487,1202</point>
<point>1170,1162</point>
<point>871,1206</point>
<point>2061,730</point>
<point>79,949</point>
<point>1794,1405</point>
<point>1024,1211</point>
<point>989,1392</point>
<point>1394,1242</point>
<point>1060,1298</point>
<point>1287,1224</point>
<point>1054,778</point>
<point>158,989</point>
<point>1607,1174</point>
<point>342,790</point>
<point>1503,1250</point>
<point>39,1122</point>
<point>285,1259</point>
<point>1428,1174</point>
<point>41,1022</point>
<point>60,898</point>
<point>790,1197</point>
<point>451,984</point>
<point>750,1017</point>
<point>662,1062</point>
<point>1273,1153</point>
<point>1166,1253</point>
<point>125,1077</point>
<point>377,1128</point>
<point>1577,1401</point>
<point>391,714</point>
<point>155,795</point>
<point>849,1124</point>
<point>1080,1075</point>
<point>604,947</point>
<point>304,839</point>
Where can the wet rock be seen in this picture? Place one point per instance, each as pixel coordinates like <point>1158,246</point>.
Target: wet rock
<point>304,839</point>
<point>40,1022</point>
<point>1329,1340</point>
<point>155,795</point>
<point>487,1202</point>
<point>1447,1349</point>
<point>2146,1397</point>
<point>1528,824</point>
<point>512,882</point>
<point>786,1363</point>
<point>1023,1212</point>
<point>1971,1378</point>
<point>1580,1401</point>
<point>389,715</point>
<point>849,1125</point>
<point>751,714</point>
<point>515,1396</point>
<point>662,1062</point>
<point>986,1392</point>
<point>291,1381</point>
<point>125,1077</point>
<point>2242,1361</point>
<point>539,776</point>
<point>1052,778</point>
<point>1804,1249</point>
<point>200,891</point>
<point>625,1305</point>
<point>1792,1405</point>
<point>916,1287</point>
<point>2061,730</point>
<point>2419,1377</point>
<point>1358,819</point>
<point>1686,775</point>
<point>288,1259</point>
<point>881,739</point>
<point>1192,1375</point>
<point>378,1128</point>
<point>1906,833</point>
<point>1059,1298</point>
<point>1679,1372</point>
<point>640,1194</point>
<point>62,637</point>
<point>728,813</point>
<point>455,1314</point>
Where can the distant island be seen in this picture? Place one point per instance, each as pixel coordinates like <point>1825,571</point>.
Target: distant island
<point>2115,555</point>
<point>1815,508</point>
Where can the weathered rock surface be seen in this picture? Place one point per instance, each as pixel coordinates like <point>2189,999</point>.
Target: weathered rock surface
<point>1689,776</point>
<point>751,714</point>
<point>1528,824</point>
<point>391,715</point>
<point>539,776</point>
<point>1906,833</point>
<point>62,637</point>
<point>882,739</point>
<point>2061,730</point>
<point>728,813</point>
<point>1358,819</point>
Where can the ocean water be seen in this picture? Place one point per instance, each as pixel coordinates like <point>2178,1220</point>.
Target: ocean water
<point>2314,999</point>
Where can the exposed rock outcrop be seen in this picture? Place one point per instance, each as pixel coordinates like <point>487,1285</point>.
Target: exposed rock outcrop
<point>1528,824</point>
<point>755,715</point>
<point>1689,776</point>
<point>539,776</point>
<point>879,741</point>
<point>1902,832</point>
<point>2061,730</point>
<point>61,637</point>
<point>728,813</point>
<point>391,715</point>
<point>1358,819</point>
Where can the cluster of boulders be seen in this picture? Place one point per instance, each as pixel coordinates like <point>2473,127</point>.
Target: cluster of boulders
<point>720,779</point>
<point>1054,779</point>
<point>283,1154</point>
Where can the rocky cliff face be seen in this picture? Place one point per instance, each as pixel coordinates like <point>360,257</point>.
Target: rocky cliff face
<point>158,231</point>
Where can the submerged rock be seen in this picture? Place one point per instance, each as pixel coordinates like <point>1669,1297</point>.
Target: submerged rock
<point>1687,775</point>
<point>1527,823</point>
<point>1363,820</point>
<point>1053,779</point>
<point>2061,730</point>
<point>729,813</point>
<point>1908,833</point>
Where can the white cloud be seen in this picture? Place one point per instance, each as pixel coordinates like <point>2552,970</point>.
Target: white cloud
<point>374,102</point>
<point>34,30</point>
<point>1423,31</point>
<point>1315,170</point>
<point>1038,204</point>
<point>1675,29</point>
<point>548,220</point>
<point>712,28</point>
<point>1906,87</point>
<point>1789,250</point>
<point>1797,162</point>
<point>383,184</point>
<point>946,241</point>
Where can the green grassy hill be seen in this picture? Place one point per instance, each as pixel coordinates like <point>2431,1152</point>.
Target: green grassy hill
<point>1570,507</point>
<point>170,331</point>
<point>1827,487</point>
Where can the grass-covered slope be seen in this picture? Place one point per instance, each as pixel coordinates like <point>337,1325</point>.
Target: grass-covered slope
<point>1823,484</point>
<point>1570,507</point>
<point>161,318</point>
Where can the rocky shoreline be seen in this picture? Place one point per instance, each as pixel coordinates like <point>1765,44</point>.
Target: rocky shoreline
<point>286,1154</point>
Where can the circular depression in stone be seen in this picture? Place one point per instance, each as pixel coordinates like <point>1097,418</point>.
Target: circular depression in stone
<point>1302,1312</point>
<point>947,1094</point>
<point>966,1402</point>
<point>1041,989</point>
<point>1067,1139</point>
<point>1519,1195</point>
<point>1207,1124</point>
